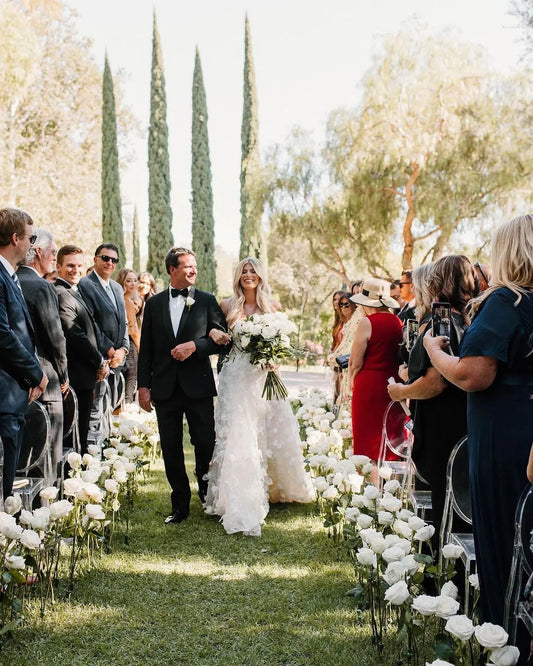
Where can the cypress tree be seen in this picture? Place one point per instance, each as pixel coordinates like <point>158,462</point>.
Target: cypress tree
<point>112,231</point>
<point>136,263</point>
<point>160,238</point>
<point>203,225</point>
<point>252,238</point>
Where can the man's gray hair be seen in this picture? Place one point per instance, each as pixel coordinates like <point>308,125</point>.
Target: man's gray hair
<point>44,240</point>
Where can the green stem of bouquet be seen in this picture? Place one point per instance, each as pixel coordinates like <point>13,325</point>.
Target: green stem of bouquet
<point>274,388</point>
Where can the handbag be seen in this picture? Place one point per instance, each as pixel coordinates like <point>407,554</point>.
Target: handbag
<point>342,361</point>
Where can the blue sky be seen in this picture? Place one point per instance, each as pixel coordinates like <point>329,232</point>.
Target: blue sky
<point>310,56</point>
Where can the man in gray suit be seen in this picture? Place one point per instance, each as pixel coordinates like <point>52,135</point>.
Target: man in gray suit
<point>43,304</point>
<point>21,378</point>
<point>105,299</point>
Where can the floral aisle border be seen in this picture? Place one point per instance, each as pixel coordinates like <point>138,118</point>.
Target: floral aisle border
<point>76,522</point>
<point>385,541</point>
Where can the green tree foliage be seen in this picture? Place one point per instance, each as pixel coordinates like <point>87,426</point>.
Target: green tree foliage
<point>160,238</point>
<point>112,231</point>
<point>136,254</point>
<point>437,145</point>
<point>203,225</point>
<point>252,236</point>
<point>50,120</point>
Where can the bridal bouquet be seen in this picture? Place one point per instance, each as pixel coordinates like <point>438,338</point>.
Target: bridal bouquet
<point>266,339</point>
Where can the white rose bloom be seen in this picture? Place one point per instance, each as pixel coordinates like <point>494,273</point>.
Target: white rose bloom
<point>355,482</point>
<point>364,521</point>
<point>13,504</point>
<point>137,451</point>
<point>120,475</point>
<point>366,557</point>
<point>392,486</point>
<point>460,626</point>
<point>411,564</point>
<point>371,492</point>
<point>74,460</point>
<point>30,539</point>
<point>320,484</point>
<point>505,656</point>
<point>367,469</point>
<point>398,593</point>
<point>378,544</point>
<point>94,512</point>
<point>368,534</point>
<point>385,473</point>
<point>25,518</point>
<point>424,533</point>
<point>345,433</point>
<point>41,518</point>
<point>15,562</point>
<point>93,449</point>
<point>393,554</point>
<point>87,459</point>
<point>130,467</point>
<point>447,607</point>
<point>359,460</point>
<point>91,475</point>
<point>71,487</point>
<point>122,446</point>
<point>90,492</point>
<point>449,589</point>
<point>256,329</point>
<point>351,514</point>
<point>491,635</point>
<point>415,523</point>
<point>405,514</point>
<point>451,552</point>
<point>111,486</point>
<point>391,539</point>
<point>473,579</point>
<point>338,480</point>
<point>385,518</point>
<point>390,503</point>
<point>404,544</point>
<point>331,493</point>
<point>109,453</point>
<point>60,509</point>
<point>358,501</point>
<point>49,493</point>
<point>439,662</point>
<point>402,528</point>
<point>394,572</point>
<point>113,441</point>
<point>425,604</point>
<point>11,530</point>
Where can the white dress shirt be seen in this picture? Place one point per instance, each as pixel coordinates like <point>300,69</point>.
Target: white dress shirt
<point>176,306</point>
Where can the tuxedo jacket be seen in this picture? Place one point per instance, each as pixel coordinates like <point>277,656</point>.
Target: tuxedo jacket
<point>81,333</point>
<point>157,369</point>
<point>19,367</point>
<point>110,321</point>
<point>43,304</point>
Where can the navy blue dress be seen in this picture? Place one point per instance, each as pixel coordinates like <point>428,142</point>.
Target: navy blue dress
<point>500,434</point>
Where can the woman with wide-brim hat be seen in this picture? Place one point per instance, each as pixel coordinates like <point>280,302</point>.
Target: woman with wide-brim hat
<point>373,360</point>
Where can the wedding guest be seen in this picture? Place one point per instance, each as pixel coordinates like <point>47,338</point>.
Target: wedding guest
<point>372,362</point>
<point>495,367</point>
<point>407,295</point>
<point>395,291</point>
<point>351,317</point>
<point>147,286</point>
<point>356,287</point>
<point>336,337</point>
<point>438,408</point>
<point>127,279</point>
<point>484,275</point>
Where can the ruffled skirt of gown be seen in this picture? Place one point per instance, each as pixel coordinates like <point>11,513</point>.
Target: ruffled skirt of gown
<point>258,454</point>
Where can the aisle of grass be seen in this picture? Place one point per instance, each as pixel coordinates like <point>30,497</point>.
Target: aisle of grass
<point>190,594</point>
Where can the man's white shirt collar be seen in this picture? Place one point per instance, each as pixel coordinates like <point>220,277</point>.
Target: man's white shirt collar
<point>5,263</point>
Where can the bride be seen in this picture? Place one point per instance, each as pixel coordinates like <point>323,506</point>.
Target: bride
<point>258,454</point>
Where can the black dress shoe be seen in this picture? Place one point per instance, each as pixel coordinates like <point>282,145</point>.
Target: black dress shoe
<point>176,517</point>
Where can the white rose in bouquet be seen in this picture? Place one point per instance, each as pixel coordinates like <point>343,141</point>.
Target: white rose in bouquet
<point>30,539</point>
<point>451,551</point>
<point>351,514</point>
<point>60,509</point>
<point>394,572</point>
<point>359,460</point>
<point>411,564</point>
<point>390,503</point>
<point>25,518</point>
<point>320,484</point>
<point>405,514</point>
<point>424,533</point>
<point>91,475</point>
<point>71,487</point>
<point>447,607</point>
<point>392,486</point>
<point>15,562</point>
<point>355,482</point>
<point>385,518</point>
<point>269,332</point>
<point>74,460</point>
<point>87,459</point>
<point>385,473</point>
<point>41,518</point>
<point>369,533</point>
<point>393,554</point>
<point>416,523</point>
<point>505,656</point>
<point>9,527</point>
<point>90,492</point>
<point>49,493</point>
<point>491,635</point>
<point>358,501</point>
<point>397,594</point>
<point>460,626</point>
<point>378,544</point>
<point>13,504</point>
<point>402,528</point>
<point>425,604</point>
<point>364,521</point>
<point>93,449</point>
<point>366,557</point>
<point>94,512</point>
<point>404,544</point>
<point>110,453</point>
<point>449,589</point>
<point>392,540</point>
<point>371,492</point>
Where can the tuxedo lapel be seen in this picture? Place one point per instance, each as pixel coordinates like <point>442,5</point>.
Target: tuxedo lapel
<point>20,298</point>
<point>165,318</point>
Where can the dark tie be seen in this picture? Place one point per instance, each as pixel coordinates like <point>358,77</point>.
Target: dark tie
<point>179,292</point>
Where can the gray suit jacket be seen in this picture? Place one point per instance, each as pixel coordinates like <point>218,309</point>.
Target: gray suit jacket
<point>42,301</point>
<point>110,320</point>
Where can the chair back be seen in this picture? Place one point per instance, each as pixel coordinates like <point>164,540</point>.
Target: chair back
<point>457,474</point>
<point>70,412</point>
<point>117,384</point>
<point>35,438</point>
<point>396,438</point>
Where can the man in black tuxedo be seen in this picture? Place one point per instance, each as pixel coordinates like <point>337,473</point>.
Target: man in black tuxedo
<point>21,378</point>
<point>86,365</point>
<point>175,374</point>
<point>105,299</point>
<point>41,298</point>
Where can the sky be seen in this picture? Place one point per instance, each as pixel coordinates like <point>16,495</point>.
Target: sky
<point>310,57</point>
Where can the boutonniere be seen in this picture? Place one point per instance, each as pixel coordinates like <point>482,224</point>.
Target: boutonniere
<point>189,302</point>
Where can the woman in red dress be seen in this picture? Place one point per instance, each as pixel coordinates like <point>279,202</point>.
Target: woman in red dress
<point>373,360</point>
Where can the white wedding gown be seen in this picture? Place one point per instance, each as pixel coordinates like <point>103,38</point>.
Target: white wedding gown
<point>258,454</point>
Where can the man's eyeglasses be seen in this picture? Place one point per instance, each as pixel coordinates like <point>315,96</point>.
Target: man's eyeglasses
<point>106,258</point>
<point>31,238</point>
<point>402,284</point>
<point>345,305</point>
<point>477,265</point>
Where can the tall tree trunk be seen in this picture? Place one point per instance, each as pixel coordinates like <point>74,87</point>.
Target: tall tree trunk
<point>408,240</point>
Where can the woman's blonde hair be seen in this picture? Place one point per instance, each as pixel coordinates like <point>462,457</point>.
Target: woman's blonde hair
<point>262,297</point>
<point>421,285</point>
<point>512,259</point>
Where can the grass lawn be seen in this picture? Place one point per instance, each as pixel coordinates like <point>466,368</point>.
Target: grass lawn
<point>190,594</point>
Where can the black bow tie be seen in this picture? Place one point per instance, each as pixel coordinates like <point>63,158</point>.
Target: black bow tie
<point>179,292</point>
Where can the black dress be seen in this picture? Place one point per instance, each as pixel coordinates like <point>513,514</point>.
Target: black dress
<point>439,423</point>
<point>500,434</point>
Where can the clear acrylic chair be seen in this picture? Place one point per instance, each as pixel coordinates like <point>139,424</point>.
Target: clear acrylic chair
<point>35,454</point>
<point>71,435</point>
<point>458,502</point>
<point>521,568</point>
<point>397,439</point>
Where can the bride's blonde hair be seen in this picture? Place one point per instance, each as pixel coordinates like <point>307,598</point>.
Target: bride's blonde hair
<point>262,296</point>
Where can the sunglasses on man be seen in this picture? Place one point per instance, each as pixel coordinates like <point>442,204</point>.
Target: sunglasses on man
<point>106,258</point>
